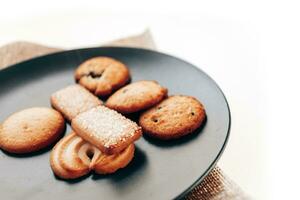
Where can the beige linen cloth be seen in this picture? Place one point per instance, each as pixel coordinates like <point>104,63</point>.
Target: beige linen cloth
<point>215,186</point>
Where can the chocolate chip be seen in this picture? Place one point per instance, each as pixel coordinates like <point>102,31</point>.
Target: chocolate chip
<point>155,120</point>
<point>95,75</point>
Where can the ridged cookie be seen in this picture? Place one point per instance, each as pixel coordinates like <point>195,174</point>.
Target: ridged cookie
<point>174,117</point>
<point>102,75</point>
<point>72,100</point>
<point>136,97</point>
<point>73,157</point>
<point>106,129</point>
<point>31,129</point>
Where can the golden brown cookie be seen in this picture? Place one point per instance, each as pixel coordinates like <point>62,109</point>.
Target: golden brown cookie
<point>172,118</point>
<point>102,75</point>
<point>72,100</point>
<point>106,129</point>
<point>73,157</point>
<point>31,129</point>
<point>136,97</point>
<point>108,164</point>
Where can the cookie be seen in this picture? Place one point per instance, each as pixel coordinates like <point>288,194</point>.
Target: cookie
<point>73,157</point>
<point>31,129</point>
<point>102,75</point>
<point>106,129</point>
<point>136,97</point>
<point>172,118</point>
<point>72,100</point>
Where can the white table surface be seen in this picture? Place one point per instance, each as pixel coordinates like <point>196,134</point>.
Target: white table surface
<point>246,46</point>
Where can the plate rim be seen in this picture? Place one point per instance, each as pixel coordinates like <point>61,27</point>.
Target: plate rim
<point>213,164</point>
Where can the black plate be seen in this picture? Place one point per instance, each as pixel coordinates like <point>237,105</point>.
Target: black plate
<point>160,170</point>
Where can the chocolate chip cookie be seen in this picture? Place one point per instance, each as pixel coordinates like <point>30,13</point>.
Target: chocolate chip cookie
<point>102,75</point>
<point>172,118</point>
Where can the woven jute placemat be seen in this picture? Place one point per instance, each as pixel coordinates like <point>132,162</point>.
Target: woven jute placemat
<point>215,186</point>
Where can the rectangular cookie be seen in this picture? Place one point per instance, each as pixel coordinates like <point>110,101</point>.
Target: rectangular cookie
<point>72,100</point>
<point>108,130</point>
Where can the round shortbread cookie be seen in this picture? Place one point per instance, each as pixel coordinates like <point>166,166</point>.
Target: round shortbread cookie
<point>136,97</point>
<point>102,75</point>
<point>31,129</point>
<point>172,118</point>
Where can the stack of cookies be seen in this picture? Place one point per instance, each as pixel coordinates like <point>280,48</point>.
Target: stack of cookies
<point>102,138</point>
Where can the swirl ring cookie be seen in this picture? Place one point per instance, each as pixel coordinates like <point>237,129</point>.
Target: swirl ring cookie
<point>31,129</point>
<point>102,75</point>
<point>136,97</point>
<point>73,157</point>
<point>172,118</point>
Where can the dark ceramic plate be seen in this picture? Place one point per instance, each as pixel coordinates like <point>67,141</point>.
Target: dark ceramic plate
<point>160,170</point>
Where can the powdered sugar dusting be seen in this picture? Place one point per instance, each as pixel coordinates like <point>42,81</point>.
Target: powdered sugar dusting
<point>106,125</point>
<point>74,99</point>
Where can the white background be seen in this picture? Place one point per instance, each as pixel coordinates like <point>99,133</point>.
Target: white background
<point>251,48</point>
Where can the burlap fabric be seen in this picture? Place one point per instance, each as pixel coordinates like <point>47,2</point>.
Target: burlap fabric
<point>215,186</point>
